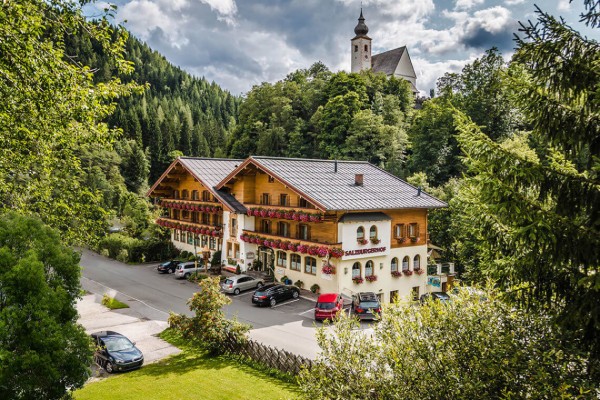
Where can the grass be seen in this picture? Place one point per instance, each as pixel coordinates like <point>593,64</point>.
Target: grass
<point>192,374</point>
<point>112,303</point>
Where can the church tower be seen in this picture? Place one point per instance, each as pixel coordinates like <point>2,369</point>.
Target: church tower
<point>361,46</point>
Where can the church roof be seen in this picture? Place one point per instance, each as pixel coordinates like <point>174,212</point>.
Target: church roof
<point>361,28</point>
<point>387,62</point>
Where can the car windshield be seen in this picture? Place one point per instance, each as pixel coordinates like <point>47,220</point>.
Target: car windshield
<point>325,306</point>
<point>117,343</point>
<point>228,281</point>
<point>166,264</point>
<point>369,304</point>
<point>265,289</point>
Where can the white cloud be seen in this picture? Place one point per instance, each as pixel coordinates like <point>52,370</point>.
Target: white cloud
<point>563,5</point>
<point>492,20</point>
<point>467,4</point>
<point>410,9</point>
<point>226,9</point>
<point>513,2</point>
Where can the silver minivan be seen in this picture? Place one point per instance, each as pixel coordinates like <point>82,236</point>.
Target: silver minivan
<point>235,284</point>
<point>185,269</point>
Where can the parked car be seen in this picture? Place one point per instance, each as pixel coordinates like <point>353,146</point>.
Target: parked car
<point>235,284</point>
<point>328,306</point>
<point>185,269</point>
<point>167,267</point>
<point>436,296</point>
<point>272,293</point>
<point>114,352</point>
<point>366,305</point>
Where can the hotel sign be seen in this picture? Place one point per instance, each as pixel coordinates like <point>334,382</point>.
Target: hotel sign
<point>365,251</point>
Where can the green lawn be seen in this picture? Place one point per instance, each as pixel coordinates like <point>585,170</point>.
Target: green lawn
<point>191,375</point>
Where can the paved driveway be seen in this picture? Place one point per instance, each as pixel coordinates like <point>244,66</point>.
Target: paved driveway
<point>130,322</point>
<point>289,325</point>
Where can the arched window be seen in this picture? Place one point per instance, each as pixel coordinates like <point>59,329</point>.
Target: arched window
<point>360,233</point>
<point>373,233</point>
<point>394,264</point>
<point>310,265</point>
<point>369,268</point>
<point>417,263</point>
<point>405,262</point>
<point>282,259</point>
<point>356,270</point>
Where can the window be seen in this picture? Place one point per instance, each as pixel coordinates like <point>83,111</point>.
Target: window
<point>194,216</point>
<point>355,48</point>
<point>236,250</point>
<point>216,219</point>
<point>366,47</point>
<point>195,195</point>
<point>185,194</point>
<point>405,262</point>
<point>204,240</point>
<point>310,265</point>
<point>196,240</point>
<point>176,214</point>
<point>303,232</point>
<point>373,233</point>
<point>283,229</point>
<point>413,230</point>
<point>271,179</point>
<point>233,230</point>
<point>369,268</point>
<point>295,262</point>
<point>205,195</point>
<point>229,250</point>
<point>399,231</point>
<point>190,238</point>
<point>175,194</point>
<point>415,293</point>
<point>176,235</point>
<point>266,198</point>
<point>302,202</point>
<point>394,266</point>
<point>206,218</point>
<point>283,200</point>
<point>282,259</point>
<point>265,226</point>
<point>356,270</point>
<point>212,243</point>
<point>185,214</point>
<point>360,233</point>
<point>417,263</point>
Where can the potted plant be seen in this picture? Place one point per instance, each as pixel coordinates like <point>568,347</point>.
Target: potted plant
<point>328,269</point>
<point>420,271</point>
<point>407,272</point>
<point>284,279</point>
<point>375,240</point>
<point>299,283</point>
<point>322,251</point>
<point>396,274</point>
<point>358,280</point>
<point>337,252</point>
<point>362,241</point>
<point>315,288</point>
<point>371,278</point>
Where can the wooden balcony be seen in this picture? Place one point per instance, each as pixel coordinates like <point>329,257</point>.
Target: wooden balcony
<point>270,236</point>
<point>190,223</point>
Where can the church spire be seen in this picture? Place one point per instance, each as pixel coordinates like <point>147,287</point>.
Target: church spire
<point>361,29</point>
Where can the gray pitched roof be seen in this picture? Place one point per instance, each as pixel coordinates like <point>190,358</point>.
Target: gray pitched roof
<point>387,62</point>
<point>211,171</point>
<point>337,190</point>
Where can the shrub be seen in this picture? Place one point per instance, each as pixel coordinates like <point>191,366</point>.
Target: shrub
<point>299,283</point>
<point>112,303</point>
<point>315,288</point>
<point>216,258</point>
<point>208,327</point>
<point>238,270</point>
<point>123,255</point>
<point>284,278</point>
<point>197,276</point>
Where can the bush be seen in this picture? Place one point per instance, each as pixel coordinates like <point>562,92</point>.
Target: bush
<point>315,288</point>
<point>197,277</point>
<point>123,255</point>
<point>216,258</point>
<point>284,279</point>
<point>116,242</point>
<point>208,327</point>
<point>238,270</point>
<point>471,347</point>
<point>299,283</point>
<point>185,255</point>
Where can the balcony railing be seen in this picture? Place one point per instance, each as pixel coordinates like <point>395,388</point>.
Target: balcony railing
<point>301,246</point>
<point>271,236</point>
<point>193,226</point>
<point>440,269</point>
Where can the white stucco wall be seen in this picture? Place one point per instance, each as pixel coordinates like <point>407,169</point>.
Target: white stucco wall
<point>405,69</point>
<point>360,60</point>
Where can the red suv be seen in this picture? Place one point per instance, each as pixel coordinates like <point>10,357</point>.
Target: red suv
<point>328,305</point>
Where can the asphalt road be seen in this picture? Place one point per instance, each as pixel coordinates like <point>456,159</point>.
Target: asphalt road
<point>288,325</point>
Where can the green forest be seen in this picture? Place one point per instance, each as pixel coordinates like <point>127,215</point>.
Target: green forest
<point>90,117</point>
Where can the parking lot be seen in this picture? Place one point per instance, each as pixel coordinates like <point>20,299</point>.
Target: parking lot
<point>288,325</point>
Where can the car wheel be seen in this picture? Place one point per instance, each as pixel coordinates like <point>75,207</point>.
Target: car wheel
<point>295,294</point>
<point>259,285</point>
<point>186,275</point>
<point>108,367</point>
<point>236,291</point>
<point>273,302</point>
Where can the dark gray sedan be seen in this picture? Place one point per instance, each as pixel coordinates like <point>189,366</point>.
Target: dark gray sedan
<point>235,284</point>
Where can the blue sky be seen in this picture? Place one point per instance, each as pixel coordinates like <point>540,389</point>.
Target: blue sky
<point>240,43</point>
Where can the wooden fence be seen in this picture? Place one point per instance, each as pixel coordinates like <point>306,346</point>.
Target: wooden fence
<point>267,355</point>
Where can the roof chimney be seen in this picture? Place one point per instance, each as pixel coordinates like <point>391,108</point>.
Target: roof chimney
<point>335,166</point>
<point>419,191</point>
<point>358,179</point>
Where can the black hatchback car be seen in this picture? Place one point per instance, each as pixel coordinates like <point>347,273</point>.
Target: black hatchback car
<point>114,352</point>
<point>168,266</point>
<point>366,305</point>
<point>272,293</point>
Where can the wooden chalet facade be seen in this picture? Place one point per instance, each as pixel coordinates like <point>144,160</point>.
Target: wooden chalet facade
<point>346,226</point>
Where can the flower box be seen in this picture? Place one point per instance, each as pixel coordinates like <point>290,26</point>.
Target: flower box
<point>371,278</point>
<point>337,253</point>
<point>407,272</point>
<point>313,250</point>
<point>302,249</point>
<point>292,247</point>
<point>304,217</point>
<point>328,269</point>
<point>414,239</point>
<point>420,271</point>
<point>322,251</point>
<point>358,280</point>
<point>375,241</point>
<point>362,241</point>
<point>396,274</point>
